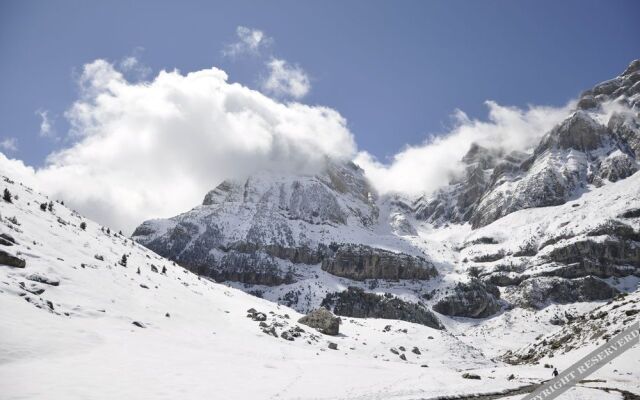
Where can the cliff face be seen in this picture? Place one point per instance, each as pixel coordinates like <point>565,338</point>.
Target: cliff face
<point>360,262</point>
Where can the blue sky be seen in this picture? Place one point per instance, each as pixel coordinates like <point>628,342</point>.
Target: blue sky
<point>395,70</point>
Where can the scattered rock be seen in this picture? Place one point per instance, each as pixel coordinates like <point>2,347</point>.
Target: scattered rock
<point>138,324</point>
<point>333,346</point>
<point>416,350</point>
<point>468,375</point>
<point>403,357</point>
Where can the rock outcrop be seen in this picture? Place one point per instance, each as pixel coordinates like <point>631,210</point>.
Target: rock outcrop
<point>541,291</point>
<point>473,300</point>
<point>361,262</point>
<point>355,302</point>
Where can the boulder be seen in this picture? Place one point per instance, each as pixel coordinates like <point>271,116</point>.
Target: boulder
<point>7,240</point>
<point>11,260</point>
<point>322,320</point>
<point>43,279</point>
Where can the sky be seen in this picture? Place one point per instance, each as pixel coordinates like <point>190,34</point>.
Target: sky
<point>379,82</point>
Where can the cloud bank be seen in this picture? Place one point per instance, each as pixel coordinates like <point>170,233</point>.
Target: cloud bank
<point>431,165</point>
<point>153,149</point>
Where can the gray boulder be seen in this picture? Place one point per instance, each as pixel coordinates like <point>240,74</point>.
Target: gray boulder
<point>322,320</point>
<point>11,260</point>
<point>43,279</point>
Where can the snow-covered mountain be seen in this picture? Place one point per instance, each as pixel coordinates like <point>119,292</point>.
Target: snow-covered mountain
<point>558,224</point>
<point>526,259</point>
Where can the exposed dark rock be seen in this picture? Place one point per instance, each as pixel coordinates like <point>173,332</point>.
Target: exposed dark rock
<point>540,291</point>
<point>333,346</point>
<point>468,375</point>
<point>322,320</point>
<point>43,279</point>
<point>11,260</point>
<point>489,257</point>
<point>355,302</point>
<point>361,262</point>
<point>587,102</point>
<point>579,132</point>
<point>7,240</point>
<point>473,300</point>
<point>138,324</point>
<point>597,256</point>
<point>32,288</point>
<point>617,166</point>
<point>632,213</point>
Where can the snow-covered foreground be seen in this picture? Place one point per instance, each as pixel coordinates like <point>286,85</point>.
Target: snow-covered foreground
<point>77,339</point>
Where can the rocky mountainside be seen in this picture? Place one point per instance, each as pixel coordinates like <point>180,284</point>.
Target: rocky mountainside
<point>598,143</point>
<point>516,229</point>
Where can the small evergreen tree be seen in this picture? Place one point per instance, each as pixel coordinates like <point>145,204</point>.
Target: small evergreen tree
<point>83,225</point>
<point>43,206</point>
<point>123,260</point>
<point>6,196</point>
<point>108,231</point>
<point>50,206</point>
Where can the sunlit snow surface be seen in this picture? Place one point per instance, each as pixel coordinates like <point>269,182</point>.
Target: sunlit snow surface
<point>86,347</point>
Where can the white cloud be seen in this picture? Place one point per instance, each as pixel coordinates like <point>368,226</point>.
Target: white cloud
<point>286,80</point>
<point>46,124</point>
<point>429,166</point>
<point>249,41</point>
<point>153,149</point>
<point>9,144</point>
<point>132,67</point>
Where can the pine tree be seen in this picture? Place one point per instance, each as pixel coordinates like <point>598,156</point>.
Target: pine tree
<point>123,260</point>
<point>7,196</point>
<point>50,206</point>
<point>83,225</point>
<point>43,206</point>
